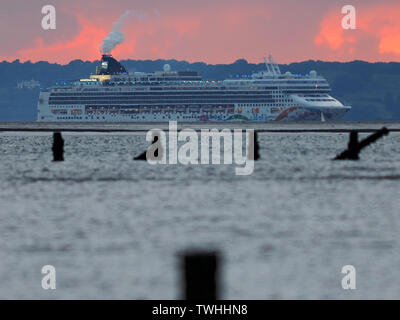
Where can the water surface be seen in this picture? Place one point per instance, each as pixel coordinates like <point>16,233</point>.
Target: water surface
<point>113,227</point>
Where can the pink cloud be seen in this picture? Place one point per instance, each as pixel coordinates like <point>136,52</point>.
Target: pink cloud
<point>380,23</point>
<point>85,44</point>
<point>211,31</point>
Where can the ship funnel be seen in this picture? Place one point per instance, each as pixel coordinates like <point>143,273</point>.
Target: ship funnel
<point>110,66</point>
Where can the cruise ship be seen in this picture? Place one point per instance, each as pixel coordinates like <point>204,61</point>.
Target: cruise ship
<point>115,95</point>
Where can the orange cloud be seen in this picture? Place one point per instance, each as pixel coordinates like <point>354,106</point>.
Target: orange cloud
<point>211,31</point>
<point>331,32</point>
<point>390,40</point>
<point>85,44</point>
<point>214,35</point>
<point>380,22</point>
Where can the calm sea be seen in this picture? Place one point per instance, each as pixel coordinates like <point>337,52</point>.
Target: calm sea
<point>113,227</point>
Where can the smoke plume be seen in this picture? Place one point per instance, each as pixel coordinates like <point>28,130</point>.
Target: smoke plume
<point>115,37</point>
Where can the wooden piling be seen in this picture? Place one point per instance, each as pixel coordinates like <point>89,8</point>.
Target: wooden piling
<point>354,147</point>
<point>201,276</point>
<point>253,147</point>
<point>58,147</point>
<point>143,155</point>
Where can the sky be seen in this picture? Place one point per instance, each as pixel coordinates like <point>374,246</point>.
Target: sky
<point>212,31</point>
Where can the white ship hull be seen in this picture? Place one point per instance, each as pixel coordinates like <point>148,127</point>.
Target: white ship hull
<point>188,113</point>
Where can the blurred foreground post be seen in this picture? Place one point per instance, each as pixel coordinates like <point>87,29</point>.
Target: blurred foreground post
<point>201,276</point>
<point>253,147</point>
<point>156,156</point>
<point>58,147</point>
<point>354,147</point>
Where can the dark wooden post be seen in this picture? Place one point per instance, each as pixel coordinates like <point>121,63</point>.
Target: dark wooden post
<point>354,147</point>
<point>58,147</point>
<point>143,155</point>
<point>254,147</point>
<point>201,276</point>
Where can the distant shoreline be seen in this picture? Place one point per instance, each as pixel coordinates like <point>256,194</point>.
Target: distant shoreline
<point>277,127</point>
